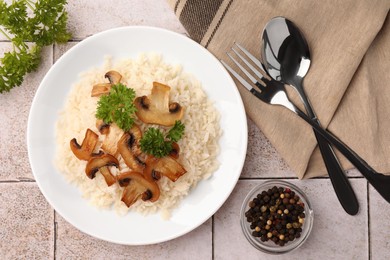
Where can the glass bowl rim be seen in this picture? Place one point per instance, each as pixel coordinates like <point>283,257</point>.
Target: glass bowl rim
<point>267,246</point>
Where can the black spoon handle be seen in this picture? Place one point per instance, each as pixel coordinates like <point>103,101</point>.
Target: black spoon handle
<point>340,182</point>
<point>379,181</point>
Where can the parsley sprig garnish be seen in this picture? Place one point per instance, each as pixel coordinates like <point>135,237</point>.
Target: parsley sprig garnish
<point>117,107</point>
<point>155,143</point>
<point>44,26</point>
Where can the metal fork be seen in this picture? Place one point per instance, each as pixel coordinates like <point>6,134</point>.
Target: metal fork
<point>274,93</point>
<point>339,180</point>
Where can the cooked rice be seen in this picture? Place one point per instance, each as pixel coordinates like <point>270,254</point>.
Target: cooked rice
<point>198,147</point>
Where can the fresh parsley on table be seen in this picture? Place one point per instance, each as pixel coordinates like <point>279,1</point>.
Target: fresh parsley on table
<point>29,25</point>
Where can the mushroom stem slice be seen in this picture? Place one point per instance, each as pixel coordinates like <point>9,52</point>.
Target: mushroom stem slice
<point>156,109</point>
<point>113,77</point>
<point>101,164</point>
<point>136,186</point>
<point>129,148</point>
<point>85,150</point>
<point>100,89</point>
<point>167,166</point>
<point>110,142</point>
<point>108,177</point>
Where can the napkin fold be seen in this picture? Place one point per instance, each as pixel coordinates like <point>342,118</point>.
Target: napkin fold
<point>347,84</point>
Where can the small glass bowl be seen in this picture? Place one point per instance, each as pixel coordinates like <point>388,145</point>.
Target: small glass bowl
<point>269,246</point>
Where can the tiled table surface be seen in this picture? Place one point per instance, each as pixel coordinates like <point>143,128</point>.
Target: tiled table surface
<point>31,229</point>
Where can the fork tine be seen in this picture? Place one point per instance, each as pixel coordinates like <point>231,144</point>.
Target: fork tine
<point>250,66</point>
<point>237,76</point>
<point>250,56</point>
<point>246,72</point>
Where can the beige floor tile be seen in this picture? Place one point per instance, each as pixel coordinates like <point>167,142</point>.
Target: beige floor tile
<point>27,222</point>
<point>330,229</point>
<point>71,244</point>
<point>262,160</point>
<point>380,226</point>
<point>15,107</point>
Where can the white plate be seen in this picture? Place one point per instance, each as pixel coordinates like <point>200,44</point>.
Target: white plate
<point>135,229</point>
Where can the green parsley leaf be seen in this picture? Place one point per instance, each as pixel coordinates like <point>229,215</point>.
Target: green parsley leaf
<point>118,107</point>
<point>45,26</point>
<point>153,141</point>
<point>176,132</point>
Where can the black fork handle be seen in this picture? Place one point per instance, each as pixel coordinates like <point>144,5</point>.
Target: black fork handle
<point>379,181</point>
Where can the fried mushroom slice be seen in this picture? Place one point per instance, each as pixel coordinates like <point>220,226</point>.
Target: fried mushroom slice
<point>85,150</point>
<point>166,166</point>
<point>174,153</point>
<point>156,108</point>
<point>103,127</point>
<point>110,142</point>
<point>129,148</point>
<point>101,164</point>
<point>137,186</point>
<point>113,77</point>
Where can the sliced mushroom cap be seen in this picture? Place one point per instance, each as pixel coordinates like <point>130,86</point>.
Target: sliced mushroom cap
<point>85,150</point>
<point>129,148</point>
<point>113,77</point>
<point>137,186</point>
<point>156,109</point>
<point>103,127</point>
<point>174,153</point>
<point>167,166</point>
<point>101,164</point>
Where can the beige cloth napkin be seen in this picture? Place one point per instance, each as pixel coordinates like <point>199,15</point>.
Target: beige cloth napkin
<point>348,82</point>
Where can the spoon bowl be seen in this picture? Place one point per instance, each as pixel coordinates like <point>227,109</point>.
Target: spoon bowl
<point>285,52</point>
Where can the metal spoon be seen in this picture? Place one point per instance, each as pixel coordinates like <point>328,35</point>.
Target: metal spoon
<point>286,58</point>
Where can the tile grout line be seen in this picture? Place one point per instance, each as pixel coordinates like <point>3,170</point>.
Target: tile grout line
<point>368,221</point>
<point>212,237</point>
<point>55,235</point>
